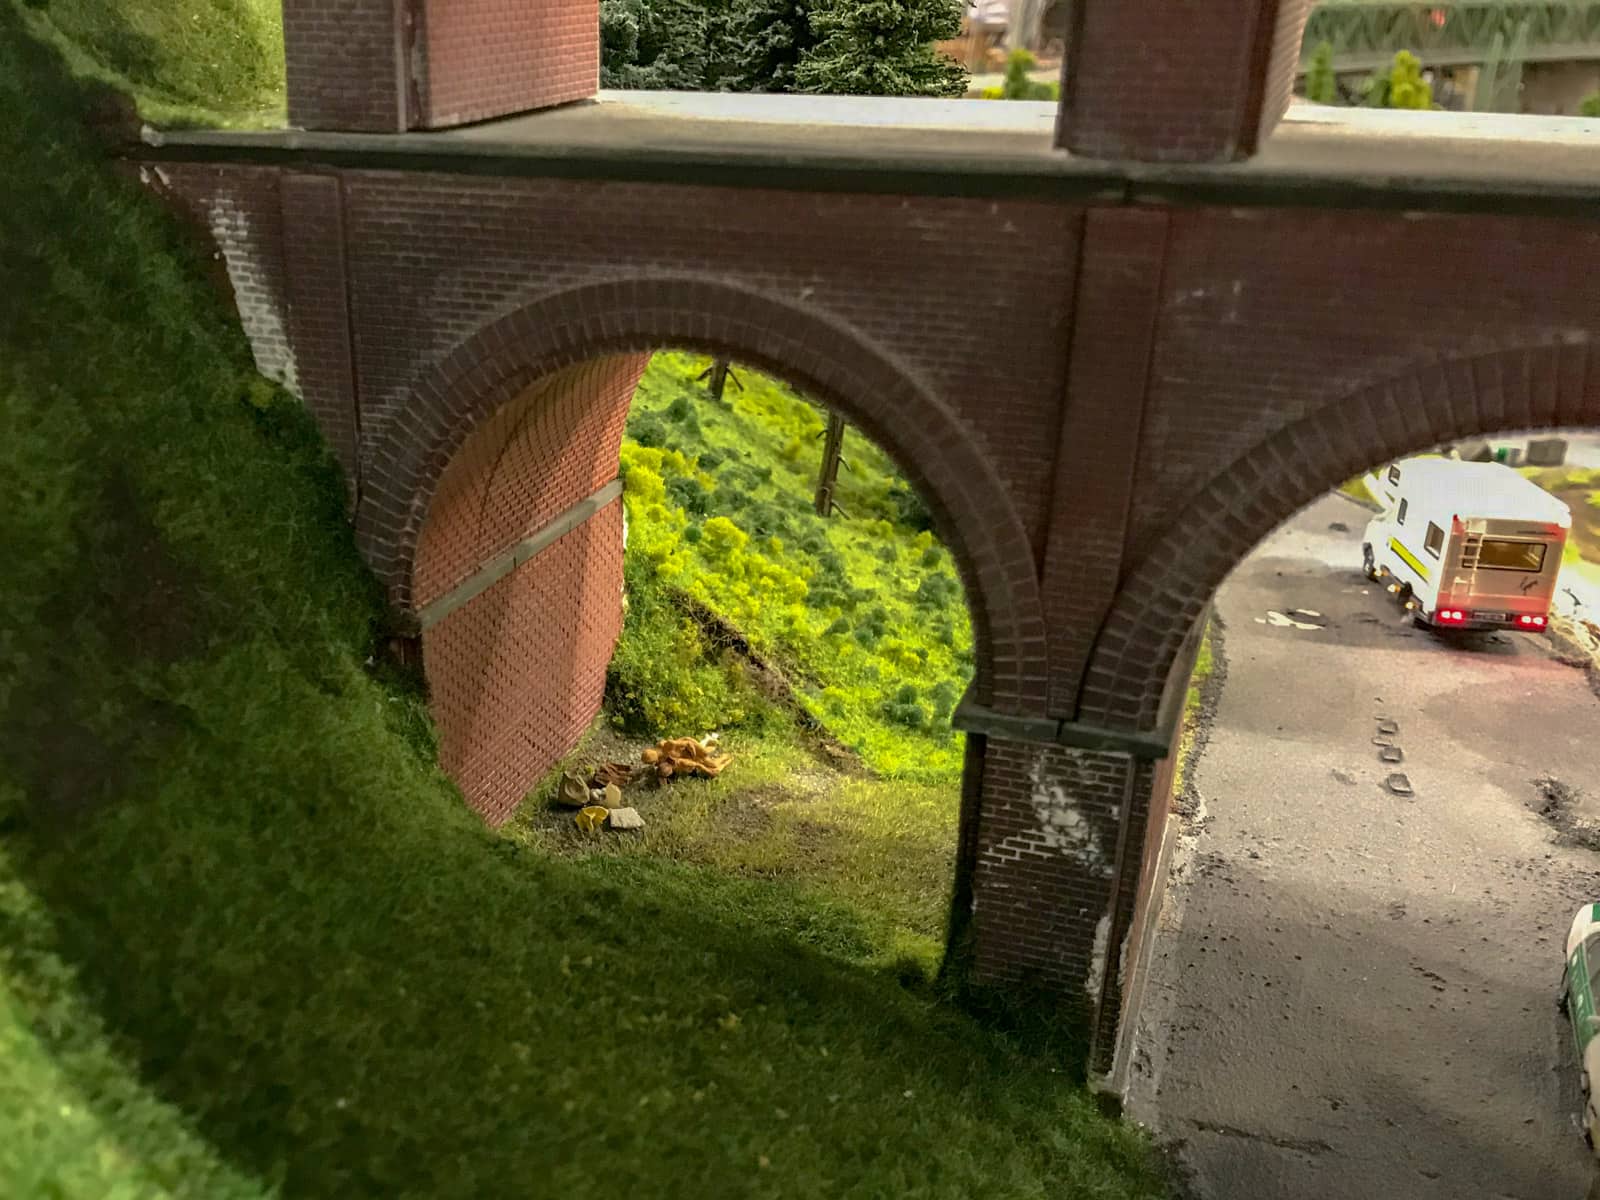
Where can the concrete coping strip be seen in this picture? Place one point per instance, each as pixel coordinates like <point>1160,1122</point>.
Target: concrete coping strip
<point>507,561</point>
<point>972,717</point>
<point>1462,166</point>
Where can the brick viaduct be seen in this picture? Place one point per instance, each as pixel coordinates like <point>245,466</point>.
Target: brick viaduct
<point>1112,353</point>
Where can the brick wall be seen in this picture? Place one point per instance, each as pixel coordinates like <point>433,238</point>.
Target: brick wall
<point>886,270</point>
<point>346,64</point>
<point>1243,359</point>
<point>1119,287</point>
<point>318,311</point>
<point>486,58</point>
<point>531,460</point>
<point>517,673</point>
<point>1045,862</point>
<point>1176,80</point>
<point>382,66</point>
<point>1295,349</point>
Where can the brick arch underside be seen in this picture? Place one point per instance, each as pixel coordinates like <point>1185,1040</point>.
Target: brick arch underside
<point>1547,386</point>
<point>525,419</point>
<point>517,673</point>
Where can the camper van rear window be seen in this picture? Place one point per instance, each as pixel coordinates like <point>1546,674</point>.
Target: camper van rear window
<point>1511,556</point>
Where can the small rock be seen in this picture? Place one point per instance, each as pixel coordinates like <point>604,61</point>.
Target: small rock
<point>611,796</point>
<point>625,818</point>
<point>1398,784</point>
<point>1387,726</point>
<point>1391,754</point>
<point>1338,527</point>
<point>573,792</point>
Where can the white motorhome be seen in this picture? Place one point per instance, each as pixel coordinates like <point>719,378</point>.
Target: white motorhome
<point>1466,545</point>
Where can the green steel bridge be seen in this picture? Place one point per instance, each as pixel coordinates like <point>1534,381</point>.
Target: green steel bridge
<point>1365,34</point>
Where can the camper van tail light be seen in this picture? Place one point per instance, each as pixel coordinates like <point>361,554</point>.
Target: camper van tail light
<point>1530,622</point>
<point>1450,616</point>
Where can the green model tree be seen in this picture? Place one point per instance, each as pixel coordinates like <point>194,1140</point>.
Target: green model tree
<point>882,48</point>
<point>1590,105</point>
<point>1402,87</point>
<point>1321,86</point>
<point>656,44</point>
<point>855,47</point>
<point>764,44</point>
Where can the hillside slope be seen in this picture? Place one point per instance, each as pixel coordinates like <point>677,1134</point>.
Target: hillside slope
<point>251,940</point>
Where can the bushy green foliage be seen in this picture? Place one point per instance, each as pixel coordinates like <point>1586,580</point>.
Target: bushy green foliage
<point>1590,105</point>
<point>1018,86</point>
<point>1321,85</point>
<point>663,44</point>
<point>882,48</point>
<point>857,47</point>
<point>764,43</point>
<point>852,610</point>
<point>251,942</point>
<point>1401,87</point>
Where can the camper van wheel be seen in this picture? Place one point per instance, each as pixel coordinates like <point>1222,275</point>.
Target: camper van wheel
<point>1369,566</point>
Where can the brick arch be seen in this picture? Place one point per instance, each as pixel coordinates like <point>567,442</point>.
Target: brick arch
<point>1545,386</point>
<point>821,356</point>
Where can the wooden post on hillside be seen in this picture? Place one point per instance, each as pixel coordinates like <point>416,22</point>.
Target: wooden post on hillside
<point>832,455</point>
<point>719,372</point>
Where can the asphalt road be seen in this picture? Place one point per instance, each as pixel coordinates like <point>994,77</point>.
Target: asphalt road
<point>1353,993</point>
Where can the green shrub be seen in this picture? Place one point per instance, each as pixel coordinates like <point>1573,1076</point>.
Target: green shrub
<point>1590,105</point>
<point>1322,87</point>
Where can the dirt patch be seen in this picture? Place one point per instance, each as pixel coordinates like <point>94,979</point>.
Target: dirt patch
<point>1558,803</point>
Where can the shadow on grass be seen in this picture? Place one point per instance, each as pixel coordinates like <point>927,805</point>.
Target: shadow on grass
<point>365,1003</point>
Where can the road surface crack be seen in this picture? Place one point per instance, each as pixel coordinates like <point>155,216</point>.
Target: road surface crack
<point>1301,1145</point>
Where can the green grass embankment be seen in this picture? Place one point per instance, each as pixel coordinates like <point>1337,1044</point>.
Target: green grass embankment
<point>251,942</point>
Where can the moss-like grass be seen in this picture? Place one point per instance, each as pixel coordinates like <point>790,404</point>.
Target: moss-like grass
<point>202,62</point>
<point>881,850</point>
<point>252,943</point>
<point>864,612</point>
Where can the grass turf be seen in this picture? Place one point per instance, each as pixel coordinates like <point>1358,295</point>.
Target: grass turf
<point>202,62</point>
<point>252,941</point>
<point>865,614</point>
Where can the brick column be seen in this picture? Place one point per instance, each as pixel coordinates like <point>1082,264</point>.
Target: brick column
<point>1048,840</point>
<point>1119,286</point>
<point>346,65</point>
<point>319,312</point>
<point>385,66</point>
<point>1177,80</point>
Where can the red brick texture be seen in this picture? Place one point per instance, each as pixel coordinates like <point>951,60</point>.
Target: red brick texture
<point>346,64</point>
<point>523,465</point>
<point>517,673</point>
<point>318,309</point>
<point>383,66</point>
<point>827,361</point>
<point>1295,349</point>
<point>486,58</point>
<point>1177,80</point>
<point>1104,418</point>
<point>1119,286</point>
